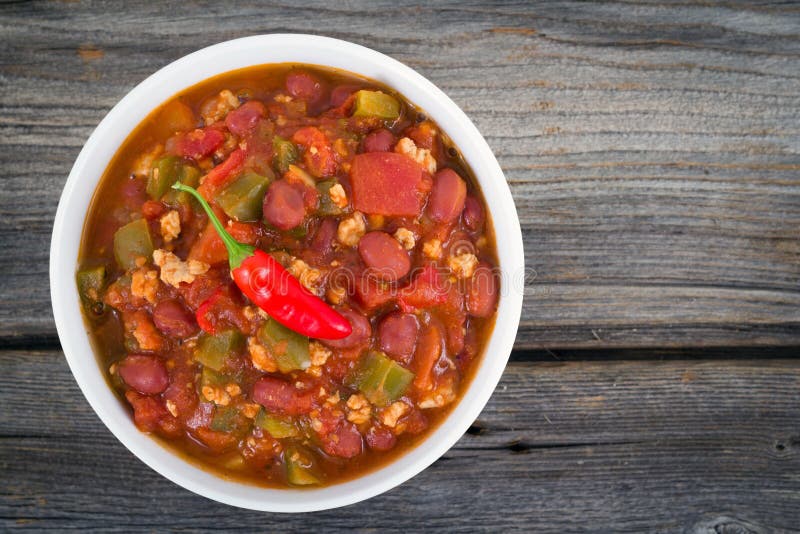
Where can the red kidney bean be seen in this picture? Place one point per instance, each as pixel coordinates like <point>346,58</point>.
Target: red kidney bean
<point>482,291</point>
<point>153,209</point>
<point>380,438</point>
<point>473,214</point>
<point>277,395</point>
<point>344,441</point>
<point>361,333</point>
<point>378,141</point>
<point>173,319</point>
<point>304,86</point>
<point>447,196</point>
<point>283,206</point>
<point>244,118</point>
<point>145,374</point>
<point>322,242</point>
<point>384,255</point>
<point>397,334</point>
<point>341,93</point>
<point>133,191</point>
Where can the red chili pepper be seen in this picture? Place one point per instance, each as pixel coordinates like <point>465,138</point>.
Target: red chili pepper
<point>265,282</point>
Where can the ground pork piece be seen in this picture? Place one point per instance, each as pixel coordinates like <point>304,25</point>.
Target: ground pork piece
<point>260,356</point>
<point>441,396</point>
<point>305,274</point>
<point>338,196</point>
<point>463,265</point>
<point>422,156</point>
<point>359,409</point>
<point>214,109</point>
<point>144,163</point>
<point>351,229</point>
<point>170,225</point>
<point>144,284</point>
<point>406,238</point>
<point>392,413</point>
<point>319,353</point>
<point>217,395</point>
<point>174,271</point>
<point>432,249</point>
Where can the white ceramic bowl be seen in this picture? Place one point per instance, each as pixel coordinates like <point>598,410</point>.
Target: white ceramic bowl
<point>185,72</point>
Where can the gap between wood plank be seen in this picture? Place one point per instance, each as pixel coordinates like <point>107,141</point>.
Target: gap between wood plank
<point>51,342</point>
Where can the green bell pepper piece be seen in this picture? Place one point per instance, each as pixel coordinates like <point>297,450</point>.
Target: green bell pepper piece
<point>300,466</point>
<point>376,104</point>
<point>165,172</point>
<point>285,153</point>
<point>90,283</point>
<point>132,241</point>
<point>381,379</point>
<point>276,426</point>
<point>213,351</point>
<point>326,205</point>
<point>243,199</point>
<point>226,419</point>
<point>189,175</point>
<point>289,348</point>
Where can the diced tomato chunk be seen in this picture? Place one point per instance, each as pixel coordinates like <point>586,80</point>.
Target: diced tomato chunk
<point>151,416</point>
<point>371,294</point>
<point>279,396</point>
<point>196,144</point>
<point>319,156</point>
<point>429,288</point>
<point>222,173</point>
<point>429,349</point>
<point>387,183</point>
<point>218,442</point>
<point>209,247</point>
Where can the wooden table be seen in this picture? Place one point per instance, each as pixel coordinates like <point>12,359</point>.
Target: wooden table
<point>653,151</point>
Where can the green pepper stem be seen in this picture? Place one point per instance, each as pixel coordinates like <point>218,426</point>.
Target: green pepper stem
<point>237,252</point>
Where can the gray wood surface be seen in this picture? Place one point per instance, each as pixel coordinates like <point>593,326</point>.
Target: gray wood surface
<point>653,151</point>
<point>613,446</point>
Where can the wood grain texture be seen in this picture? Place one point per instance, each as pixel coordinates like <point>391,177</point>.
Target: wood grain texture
<point>652,150</point>
<point>616,446</point>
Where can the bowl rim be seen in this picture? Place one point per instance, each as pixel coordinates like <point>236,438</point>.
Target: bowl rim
<point>185,72</point>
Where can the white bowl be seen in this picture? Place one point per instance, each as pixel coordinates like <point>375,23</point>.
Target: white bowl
<point>185,72</point>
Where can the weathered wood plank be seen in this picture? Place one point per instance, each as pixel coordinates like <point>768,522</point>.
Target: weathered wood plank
<point>652,149</point>
<point>679,446</point>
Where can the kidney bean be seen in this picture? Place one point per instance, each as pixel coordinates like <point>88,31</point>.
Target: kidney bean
<point>361,333</point>
<point>322,242</point>
<point>304,86</point>
<point>153,209</point>
<point>482,291</point>
<point>244,119</point>
<point>277,395</point>
<point>380,438</point>
<point>341,93</point>
<point>283,206</point>
<point>473,214</point>
<point>133,192</point>
<point>173,319</point>
<point>384,255</point>
<point>378,141</point>
<point>397,334</point>
<point>447,196</point>
<point>145,374</point>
